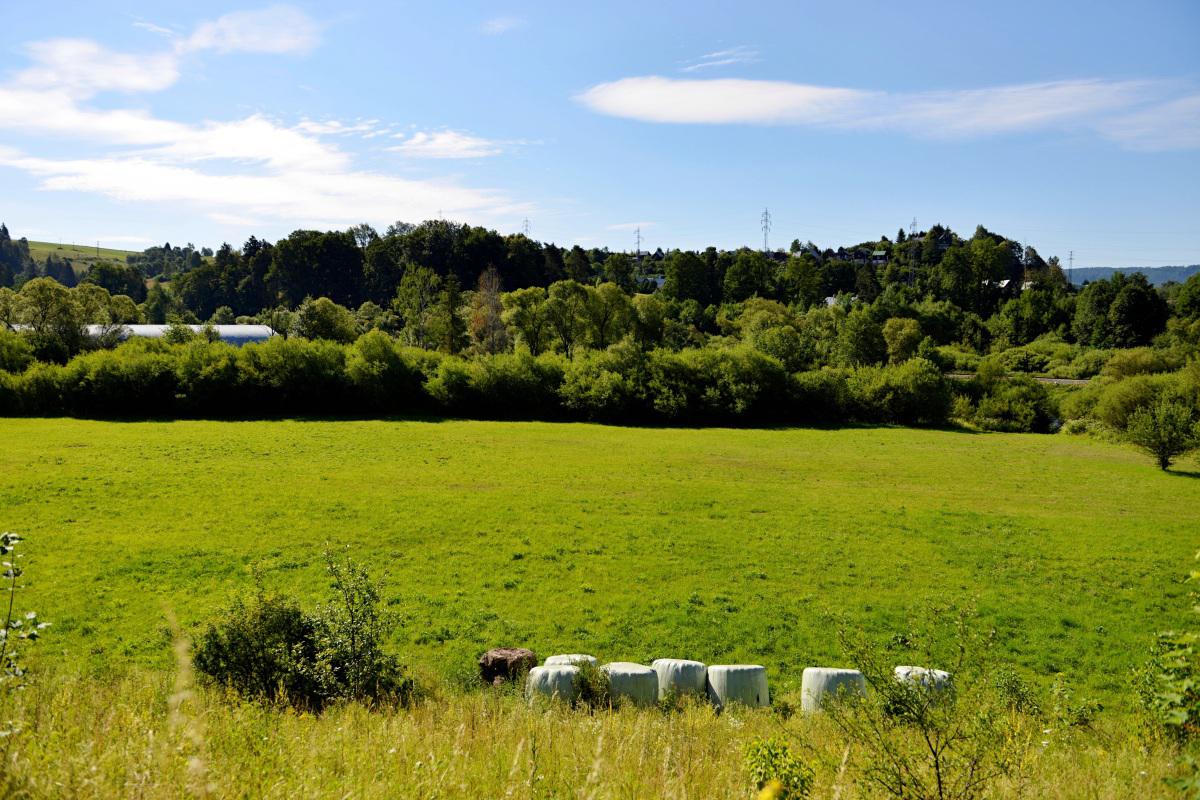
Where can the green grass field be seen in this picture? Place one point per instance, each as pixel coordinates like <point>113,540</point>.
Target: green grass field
<point>77,253</point>
<point>720,545</point>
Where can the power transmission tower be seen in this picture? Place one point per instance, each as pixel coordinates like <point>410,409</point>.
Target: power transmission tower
<point>1071,267</point>
<point>637,234</point>
<point>766,227</point>
<point>912,228</point>
<point>525,227</point>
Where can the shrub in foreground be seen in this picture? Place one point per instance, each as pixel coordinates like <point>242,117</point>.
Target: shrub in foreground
<point>1165,430</point>
<point>772,764</point>
<point>922,741</point>
<point>268,648</point>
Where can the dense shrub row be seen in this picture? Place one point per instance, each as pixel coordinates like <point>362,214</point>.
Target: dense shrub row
<point>377,375</point>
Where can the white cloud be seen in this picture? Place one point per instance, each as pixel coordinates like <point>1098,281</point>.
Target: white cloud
<point>1005,108</point>
<point>721,58</point>
<point>155,29</point>
<point>1117,109</point>
<point>241,171</point>
<point>723,100</point>
<point>500,25</point>
<point>277,29</point>
<point>1174,125</point>
<point>81,68</point>
<point>295,197</point>
<point>631,226</point>
<point>368,128</point>
<point>447,144</point>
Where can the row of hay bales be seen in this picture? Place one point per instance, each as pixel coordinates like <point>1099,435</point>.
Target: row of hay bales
<point>723,684</point>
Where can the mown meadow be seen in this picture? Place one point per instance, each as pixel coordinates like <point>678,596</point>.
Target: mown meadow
<point>721,545</point>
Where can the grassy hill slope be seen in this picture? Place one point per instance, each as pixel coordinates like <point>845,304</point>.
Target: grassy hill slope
<point>79,254</point>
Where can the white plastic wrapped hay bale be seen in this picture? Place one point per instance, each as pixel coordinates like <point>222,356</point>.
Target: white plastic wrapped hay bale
<point>631,683</point>
<point>821,684</point>
<point>679,676</point>
<point>935,679</point>
<point>569,659</point>
<point>737,683</point>
<point>556,682</point>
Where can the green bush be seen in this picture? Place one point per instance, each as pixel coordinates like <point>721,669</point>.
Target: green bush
<point>771,761</point>
<point>1118,400</point>
<point>136,381</point>
<point>1024,359</point>
<point>1087,364</point>
<point>282,376</point>
<point>958,358</point>
<point>818,396</point>
<point>15,352</point>
<point>269,648</point>
<point>595,387</point>
<point>1166,429</point>
<point>519,385</point>
<point>592,688</point>
<point>914,392</point>
<point>382,375</point>
<point>1017,405</point>
<point>263,648</point>
<point>1141,361</point>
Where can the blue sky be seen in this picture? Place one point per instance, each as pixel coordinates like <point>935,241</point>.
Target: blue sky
<point>1071,126</point>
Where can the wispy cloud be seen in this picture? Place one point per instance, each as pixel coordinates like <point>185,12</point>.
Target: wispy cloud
<point>721,58</point>
<point>278,29</point>
<point>1174,125</point>
<point>1136,114</point>
<point>251,169</point>
<point>156,29</point>
<point>447,144</point>
<point>368,128</point>
<point>500,25</point>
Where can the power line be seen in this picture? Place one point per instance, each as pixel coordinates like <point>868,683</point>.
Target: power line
<point>766,227</point>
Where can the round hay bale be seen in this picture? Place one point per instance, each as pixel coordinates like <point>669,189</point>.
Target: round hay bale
<point>502,664</point>
<point>554,682</point>
<point>570,658</point>
<point>820,684</point>
<point>679,676</point>
<point>631,683</point>
<point>737,683</point>
<point>935,679</point>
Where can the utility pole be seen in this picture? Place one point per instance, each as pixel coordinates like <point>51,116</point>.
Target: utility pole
<point>766,227</point>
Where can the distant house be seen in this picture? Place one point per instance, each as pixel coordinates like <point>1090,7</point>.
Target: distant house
<point>879,257</point>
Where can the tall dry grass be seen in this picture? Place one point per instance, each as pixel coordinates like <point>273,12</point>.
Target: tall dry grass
<point>149,735</point>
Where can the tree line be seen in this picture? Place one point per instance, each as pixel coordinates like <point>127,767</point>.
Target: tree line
<point>741,329</point>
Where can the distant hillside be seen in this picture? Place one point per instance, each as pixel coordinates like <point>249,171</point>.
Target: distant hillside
<point>1156,275</point>
<point>78,254</point>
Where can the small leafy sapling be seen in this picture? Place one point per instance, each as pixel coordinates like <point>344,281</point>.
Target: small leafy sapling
<point>15,628</point>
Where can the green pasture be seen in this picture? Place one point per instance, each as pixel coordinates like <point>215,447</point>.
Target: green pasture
<point>78,253</point>
<point>629,543</point>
